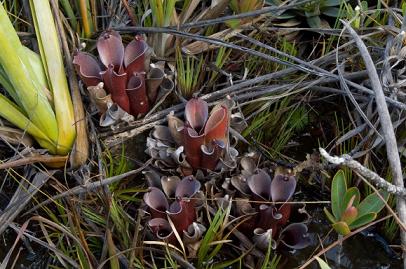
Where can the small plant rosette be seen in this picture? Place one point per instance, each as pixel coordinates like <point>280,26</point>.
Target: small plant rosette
<point>348,211</point>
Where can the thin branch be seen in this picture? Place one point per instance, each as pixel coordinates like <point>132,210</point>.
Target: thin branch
<point>370,175</point>
<point>244,15</point>
<point>33,159</point>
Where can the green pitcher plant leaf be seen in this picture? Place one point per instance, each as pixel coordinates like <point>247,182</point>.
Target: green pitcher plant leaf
<point>26,90</point>
<point>37,69</point>
<point>52,61</point>
<point>13,114</point>
<point>37,84</point>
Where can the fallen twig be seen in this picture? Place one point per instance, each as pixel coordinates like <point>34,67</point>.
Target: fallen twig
<point>370,175</point>
<point>244,15</point>
<point>33,159</point>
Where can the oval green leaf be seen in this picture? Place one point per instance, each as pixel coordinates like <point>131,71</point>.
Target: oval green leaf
<point>330,216</point>
<point>331,12</point>
<point>353,191</point>
<point>338,190</point>
<point>372,203</point>
<point>361,221</point>
<point>314,21</point>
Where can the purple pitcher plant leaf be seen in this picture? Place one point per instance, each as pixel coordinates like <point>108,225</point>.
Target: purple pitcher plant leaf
<point>165,88</point>
<point>268,218</point>
<point>88,68</point>
<point>182,210</point>
<point>169,185</point>
<point>155,199</point>
<point>175,126</point>
<point>199,200</point>
<point>182,213</point>
<point>113,115</point>
<point>192,143</point>
<point>187,187</point>
<point>134,55</point>
<point>123,71</point>
<point>137,95</point>
<point>153,178</point>
<point>194,233</point>
<point>154,80</point>
<point>99,97</point>
<point>260,185</point>
<point>244,208</point>
<point>262,238</point>
<point>116,83</point>
<point>162,229</point>
<point>295,236</point>
<point>229,160</point>
<point>178,156</point>
<point>196,114</point>
<point>163,133</point>
<point>203,139</point>
<point>282,187</point>
<point>248,166</point>
<point>240,183</point>
<point>217,126</point>
<point>114,33</point>
<point>210,155</point>
<point>284,210</point>
<point>111,50</point>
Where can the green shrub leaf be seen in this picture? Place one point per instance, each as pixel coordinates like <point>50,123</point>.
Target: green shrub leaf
<point>372,203</point>
<point>338,190</point>
<point>363,220</point>
<point>353,191</point>
<point>314,21</point>
<point>331,12</point>
<point>329,216</point>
